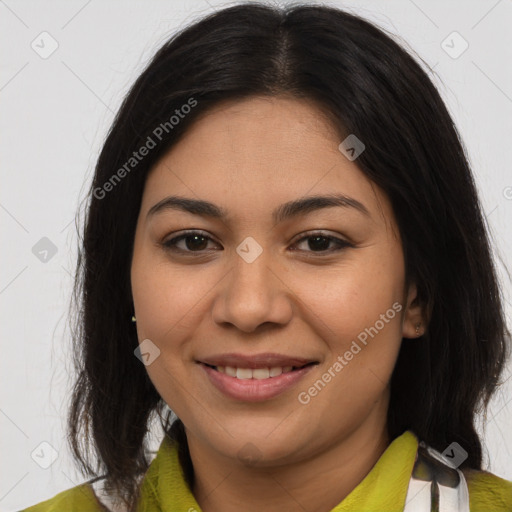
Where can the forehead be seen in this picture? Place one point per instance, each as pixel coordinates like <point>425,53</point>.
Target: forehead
<point>276,122</point>
<point>257,153</point>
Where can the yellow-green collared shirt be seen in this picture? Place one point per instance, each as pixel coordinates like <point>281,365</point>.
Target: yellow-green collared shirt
<point>383,489</point>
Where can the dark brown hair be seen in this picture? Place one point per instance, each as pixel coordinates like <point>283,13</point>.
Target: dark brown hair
<point>369,86</point>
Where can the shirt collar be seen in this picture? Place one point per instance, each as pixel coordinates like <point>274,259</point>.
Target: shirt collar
<point>383,488</point>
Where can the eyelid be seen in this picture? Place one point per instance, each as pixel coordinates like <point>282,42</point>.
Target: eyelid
<point>340,242</point>
<point>188,232</point>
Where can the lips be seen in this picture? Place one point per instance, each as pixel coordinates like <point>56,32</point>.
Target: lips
<point>254,389</point>
<point>265,360</point>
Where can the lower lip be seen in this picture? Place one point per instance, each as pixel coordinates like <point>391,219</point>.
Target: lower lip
<point>254,390</point>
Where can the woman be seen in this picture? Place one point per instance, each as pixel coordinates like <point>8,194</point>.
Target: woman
<point>284,246</point>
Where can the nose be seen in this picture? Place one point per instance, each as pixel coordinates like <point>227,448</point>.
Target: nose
<point>253,293</point>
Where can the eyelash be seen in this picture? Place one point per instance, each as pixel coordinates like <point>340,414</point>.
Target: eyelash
<point>171,244</point>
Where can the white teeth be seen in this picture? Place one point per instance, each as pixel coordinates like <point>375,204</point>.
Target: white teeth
<point>261,373</point>
<point>274,372</point>
<point>243,373</point>
<point>257,373</point>
<point>229,370</point>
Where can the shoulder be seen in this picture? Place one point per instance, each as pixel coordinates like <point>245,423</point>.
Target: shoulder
<point>488,492</point>
<point>79,498</point>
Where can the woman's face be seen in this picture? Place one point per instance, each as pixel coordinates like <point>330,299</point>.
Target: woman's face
<point>267,279</point>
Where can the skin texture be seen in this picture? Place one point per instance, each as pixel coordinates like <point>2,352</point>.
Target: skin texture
<point>249,157</point>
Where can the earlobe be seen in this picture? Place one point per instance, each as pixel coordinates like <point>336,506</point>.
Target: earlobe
<point>414,322</point>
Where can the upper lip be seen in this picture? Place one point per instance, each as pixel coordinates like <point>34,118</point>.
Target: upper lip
<point>265,360</point>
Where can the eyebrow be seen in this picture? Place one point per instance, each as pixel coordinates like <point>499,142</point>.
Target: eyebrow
<point>283,212</point>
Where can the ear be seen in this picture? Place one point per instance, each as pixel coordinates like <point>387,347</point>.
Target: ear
<point>413,325</point>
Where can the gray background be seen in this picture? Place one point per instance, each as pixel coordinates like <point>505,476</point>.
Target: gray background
<point>55,112</point>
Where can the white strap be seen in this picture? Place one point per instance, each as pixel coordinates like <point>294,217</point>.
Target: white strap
<point>436,484</point>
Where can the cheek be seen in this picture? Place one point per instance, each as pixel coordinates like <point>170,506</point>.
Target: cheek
<point>166,301</point>
<point>356,309</point>
<point>353,295</point>
<point>167,297</point>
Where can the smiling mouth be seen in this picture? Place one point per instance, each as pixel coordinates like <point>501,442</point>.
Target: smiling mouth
<point>257,373</point>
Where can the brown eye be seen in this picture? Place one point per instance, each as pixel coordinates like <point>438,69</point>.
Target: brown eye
<point>319,242</point>
<point>195,241</point>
